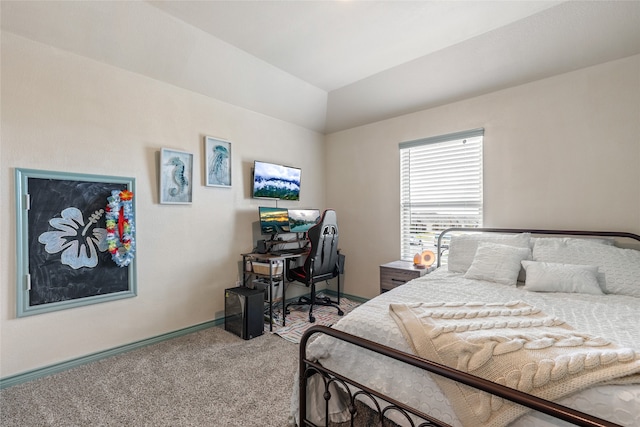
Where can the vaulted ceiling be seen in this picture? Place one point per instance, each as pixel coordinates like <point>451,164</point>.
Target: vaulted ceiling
<point>333,65</point>
<point>332,44</point>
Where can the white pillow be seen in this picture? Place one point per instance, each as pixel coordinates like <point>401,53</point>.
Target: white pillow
<point>462,248</point>
<point>609,241</point>
<point>555,277</point>
<point>497,263</point>
<point>618,268</point>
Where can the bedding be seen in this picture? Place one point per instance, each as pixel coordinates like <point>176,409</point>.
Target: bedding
<point>558,277</point>
<point>614,316</point>
<point>619,267</point>
<point>497,263</point>
<point>463,247</point>
<point>513,344</point>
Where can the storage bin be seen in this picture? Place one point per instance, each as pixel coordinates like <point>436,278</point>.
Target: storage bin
<point>262,284</point>
<point>263,268</point>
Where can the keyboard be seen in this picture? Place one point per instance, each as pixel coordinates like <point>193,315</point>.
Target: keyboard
<point>279,252</point>
<point>297,251</point>
<point>292,251</point>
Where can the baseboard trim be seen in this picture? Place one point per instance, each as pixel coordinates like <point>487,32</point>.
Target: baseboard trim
<point>348,296</point>
<point>73,363</point>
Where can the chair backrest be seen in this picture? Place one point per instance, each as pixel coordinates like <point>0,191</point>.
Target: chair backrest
<point>323,238</point>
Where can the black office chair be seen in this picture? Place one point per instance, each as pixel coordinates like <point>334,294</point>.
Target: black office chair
<point>322,263</point>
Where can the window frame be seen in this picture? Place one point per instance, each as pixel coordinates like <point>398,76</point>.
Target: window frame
<point>465,210</point>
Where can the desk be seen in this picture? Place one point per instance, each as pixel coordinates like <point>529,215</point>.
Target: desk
<point>274,269</point>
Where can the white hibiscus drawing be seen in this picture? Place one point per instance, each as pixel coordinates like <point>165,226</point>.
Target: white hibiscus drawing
<point>78,249</point>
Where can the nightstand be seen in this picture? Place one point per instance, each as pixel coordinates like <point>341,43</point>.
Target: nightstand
<point>396,273</point>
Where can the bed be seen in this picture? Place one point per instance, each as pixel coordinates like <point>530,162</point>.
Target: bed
<point>585,281</point>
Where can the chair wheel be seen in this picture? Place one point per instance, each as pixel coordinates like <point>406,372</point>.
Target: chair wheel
<point>340,313</point>
<point>312,319</point>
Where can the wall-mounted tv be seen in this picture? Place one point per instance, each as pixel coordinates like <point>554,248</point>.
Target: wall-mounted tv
<point>271,181</point>
<point>273,220</point>
<point>301,220</point>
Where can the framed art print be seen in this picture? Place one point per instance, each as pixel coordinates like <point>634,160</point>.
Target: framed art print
<point>176,177</point>
<point>217,162</point>
<point>67,254</point>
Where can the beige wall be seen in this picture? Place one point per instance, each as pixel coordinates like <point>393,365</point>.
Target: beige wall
<point>562,152</point>
<point>63,112</point>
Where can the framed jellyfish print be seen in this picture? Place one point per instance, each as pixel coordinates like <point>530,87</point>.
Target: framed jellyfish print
<point>217,162</point>
<point>176,177</point>
<point>75,240</point>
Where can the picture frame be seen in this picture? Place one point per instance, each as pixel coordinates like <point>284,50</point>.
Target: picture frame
<point>63,258</point>
<point>217,162</point>
<point>176,177</point>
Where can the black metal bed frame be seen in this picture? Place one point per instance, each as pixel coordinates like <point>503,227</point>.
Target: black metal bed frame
<point>357,391</point>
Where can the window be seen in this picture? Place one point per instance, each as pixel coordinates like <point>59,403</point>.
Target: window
<point>440,187</point>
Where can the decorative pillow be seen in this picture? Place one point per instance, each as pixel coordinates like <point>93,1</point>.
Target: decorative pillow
<point>497,263</point>
<point>555,277</point>
<point>462,248</point>
<point>618,268</point>
<point>609,241</point>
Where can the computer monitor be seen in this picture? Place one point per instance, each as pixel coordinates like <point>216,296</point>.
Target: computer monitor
<point>273,220</point>
<point>301,220</point>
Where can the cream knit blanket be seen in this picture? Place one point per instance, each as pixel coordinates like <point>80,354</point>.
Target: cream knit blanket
<point>512,344</point>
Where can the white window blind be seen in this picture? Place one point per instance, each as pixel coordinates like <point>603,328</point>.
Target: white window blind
<point>440,187</point>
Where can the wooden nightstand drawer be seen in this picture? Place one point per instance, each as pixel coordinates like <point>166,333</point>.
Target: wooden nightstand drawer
<point>398,273</point>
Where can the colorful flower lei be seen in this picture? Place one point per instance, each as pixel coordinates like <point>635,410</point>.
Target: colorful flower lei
<point>120,229</point>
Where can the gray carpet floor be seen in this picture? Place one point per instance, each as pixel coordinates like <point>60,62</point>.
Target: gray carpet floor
<point>208,378</point>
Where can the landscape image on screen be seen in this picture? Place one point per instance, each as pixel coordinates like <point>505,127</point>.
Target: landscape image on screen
<point>274,220</point>
<point>301,220</point>
<point>276,182</point>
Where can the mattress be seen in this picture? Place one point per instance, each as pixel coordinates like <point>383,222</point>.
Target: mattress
<point>612,316</point>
